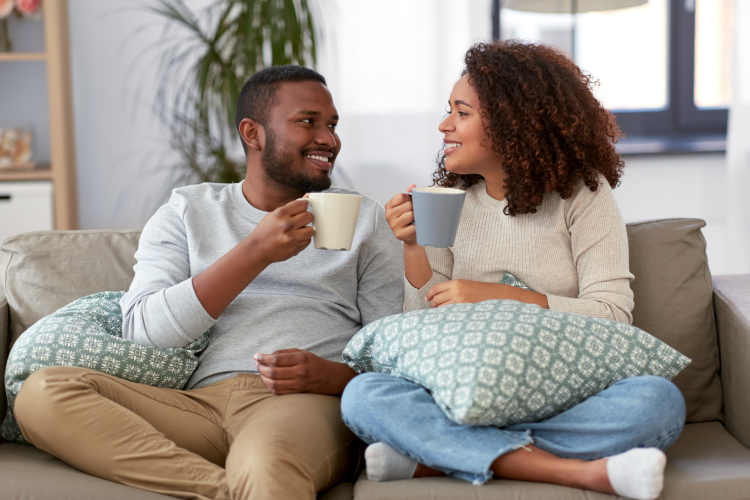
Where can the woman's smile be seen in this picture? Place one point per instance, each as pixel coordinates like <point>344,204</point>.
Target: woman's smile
<point>451,146</point>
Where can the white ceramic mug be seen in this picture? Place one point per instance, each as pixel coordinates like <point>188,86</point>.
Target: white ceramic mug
<point>334,219</point>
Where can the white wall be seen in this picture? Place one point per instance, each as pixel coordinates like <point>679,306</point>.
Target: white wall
<point>689,185</point>
<point>120,146</point>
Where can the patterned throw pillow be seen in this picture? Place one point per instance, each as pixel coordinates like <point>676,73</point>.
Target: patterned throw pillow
<point>87,333</point>
<point>503,362</point>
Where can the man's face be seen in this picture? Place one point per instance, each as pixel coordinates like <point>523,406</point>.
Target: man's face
<point>301,144</point>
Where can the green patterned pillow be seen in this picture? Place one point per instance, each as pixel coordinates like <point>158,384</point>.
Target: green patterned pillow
<point>503,362</point>
<point>87,333</point>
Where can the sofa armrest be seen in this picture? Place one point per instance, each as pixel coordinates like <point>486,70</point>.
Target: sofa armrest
<point>732,305</point>
<point>4,349</point>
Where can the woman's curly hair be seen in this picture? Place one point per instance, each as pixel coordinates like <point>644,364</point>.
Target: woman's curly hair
<point>543,121</point>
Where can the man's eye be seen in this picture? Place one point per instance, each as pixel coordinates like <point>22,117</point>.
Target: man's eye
<point>333,126</point>
<point>308,120</point>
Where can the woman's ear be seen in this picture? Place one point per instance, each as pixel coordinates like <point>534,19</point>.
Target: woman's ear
<point>250,131</point>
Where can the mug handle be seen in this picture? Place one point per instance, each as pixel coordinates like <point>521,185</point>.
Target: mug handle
<point>412,197</point>
<point>307,200</point>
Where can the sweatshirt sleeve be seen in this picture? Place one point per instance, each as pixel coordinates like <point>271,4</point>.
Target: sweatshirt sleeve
<point>161,308</point>
<point>599,244</point>
<point>441,262</point>
<point>379,290</point>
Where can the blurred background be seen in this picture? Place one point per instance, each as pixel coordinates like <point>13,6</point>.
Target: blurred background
<point>138,123</point>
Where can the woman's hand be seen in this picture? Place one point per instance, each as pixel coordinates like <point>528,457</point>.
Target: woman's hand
<point>400,214</point>
<point>470,292</point>
<point>292,371</point>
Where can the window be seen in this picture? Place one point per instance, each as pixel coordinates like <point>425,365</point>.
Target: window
<point>663,65</point>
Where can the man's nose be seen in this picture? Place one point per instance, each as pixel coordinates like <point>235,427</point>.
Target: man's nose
<point>326,138</point>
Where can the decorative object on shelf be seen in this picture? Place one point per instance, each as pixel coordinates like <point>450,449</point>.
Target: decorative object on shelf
<point>232,39</point>
<point>15,149</point>
<point>26,8</point>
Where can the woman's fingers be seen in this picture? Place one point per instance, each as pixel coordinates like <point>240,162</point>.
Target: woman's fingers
<point>397,200</point>
<point>439,288</point>
<point>441,299</point>
<point>397,210</point>
<point>405,219</point>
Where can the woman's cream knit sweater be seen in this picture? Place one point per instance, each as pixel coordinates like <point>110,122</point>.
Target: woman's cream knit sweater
<point>575,251</point>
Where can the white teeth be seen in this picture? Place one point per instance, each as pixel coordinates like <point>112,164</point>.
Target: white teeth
<point>319,158</point>
<point>452,144</point>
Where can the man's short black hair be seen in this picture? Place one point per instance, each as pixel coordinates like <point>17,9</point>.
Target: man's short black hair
<point>257,94</point>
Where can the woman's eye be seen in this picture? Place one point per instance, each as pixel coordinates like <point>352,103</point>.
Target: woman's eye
<point>462,113</point>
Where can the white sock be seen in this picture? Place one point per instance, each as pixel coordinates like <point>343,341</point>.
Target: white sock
<point>637,473</point>
<point>386,464</point>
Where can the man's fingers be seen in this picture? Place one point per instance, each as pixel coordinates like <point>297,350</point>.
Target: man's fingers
<point>278,372</point>
<point>280,387</point>
<point>302,219</point>
<point>295,207</point>
<point>287,357</point>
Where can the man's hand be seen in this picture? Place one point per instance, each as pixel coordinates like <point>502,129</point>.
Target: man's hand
<point>283,233</point>
<point>467,291</point>
<point>292,371</point>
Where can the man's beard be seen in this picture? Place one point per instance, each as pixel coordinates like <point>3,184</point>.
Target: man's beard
<point>278,162</point>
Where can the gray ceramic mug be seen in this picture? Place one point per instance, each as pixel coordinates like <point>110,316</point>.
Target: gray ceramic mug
<point>437,212</point>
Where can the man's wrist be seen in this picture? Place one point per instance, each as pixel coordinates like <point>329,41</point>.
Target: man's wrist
<point>254,257</point>
<point>339,377</point>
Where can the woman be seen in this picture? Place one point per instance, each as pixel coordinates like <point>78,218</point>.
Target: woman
<point>533,148</point>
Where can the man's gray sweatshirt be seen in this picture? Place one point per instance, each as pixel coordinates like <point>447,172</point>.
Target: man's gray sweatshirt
<point>315,301</point>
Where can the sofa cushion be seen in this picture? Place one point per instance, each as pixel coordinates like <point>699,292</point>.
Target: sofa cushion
<point>674,303</point>
<point>27,473</point>
<point>87,333</point>
<point>44,271</point>
<point>705,462</point>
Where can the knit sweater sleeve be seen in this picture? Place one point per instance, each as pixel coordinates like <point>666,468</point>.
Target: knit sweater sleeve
<point>441,262</point>
<point>161,308</point>
<point>599,245</point>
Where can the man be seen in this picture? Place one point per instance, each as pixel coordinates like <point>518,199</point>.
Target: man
<point>260,417</point>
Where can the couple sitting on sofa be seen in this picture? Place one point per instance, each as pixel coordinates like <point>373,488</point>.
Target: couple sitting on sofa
<point>532,147</point>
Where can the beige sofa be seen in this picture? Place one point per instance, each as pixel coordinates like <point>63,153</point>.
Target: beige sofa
<point>675,298</point>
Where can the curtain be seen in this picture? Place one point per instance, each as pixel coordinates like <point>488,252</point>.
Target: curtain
<point>738,143</point>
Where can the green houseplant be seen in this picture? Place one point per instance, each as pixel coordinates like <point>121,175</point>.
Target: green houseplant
<point>208,55</point>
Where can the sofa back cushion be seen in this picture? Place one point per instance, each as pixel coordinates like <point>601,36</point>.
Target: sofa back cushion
<point>43,271</point>
<point>674,302</point>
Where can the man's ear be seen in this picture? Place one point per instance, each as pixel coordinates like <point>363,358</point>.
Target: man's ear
<point>251,133</point>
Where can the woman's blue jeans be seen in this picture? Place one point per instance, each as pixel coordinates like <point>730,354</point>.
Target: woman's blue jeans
<point>632,413</point>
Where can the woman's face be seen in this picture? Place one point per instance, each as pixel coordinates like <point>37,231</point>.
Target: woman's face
<point>467,146</point>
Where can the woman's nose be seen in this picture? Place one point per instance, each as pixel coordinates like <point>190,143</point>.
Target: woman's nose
<point>446,125</point>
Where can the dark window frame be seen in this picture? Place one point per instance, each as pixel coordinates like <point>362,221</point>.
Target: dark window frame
<point>681,126</point>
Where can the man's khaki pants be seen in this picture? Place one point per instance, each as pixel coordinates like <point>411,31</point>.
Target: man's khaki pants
<point>233,439</point>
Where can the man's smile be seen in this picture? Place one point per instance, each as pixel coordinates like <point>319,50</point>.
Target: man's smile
<point>321,159</point>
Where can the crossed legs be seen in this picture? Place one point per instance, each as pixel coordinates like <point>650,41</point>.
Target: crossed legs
<point>178,442</point>
<point>642,412</point>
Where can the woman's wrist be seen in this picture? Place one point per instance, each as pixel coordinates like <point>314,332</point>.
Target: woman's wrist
<point>531,297</point>
<point>416,265</point>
